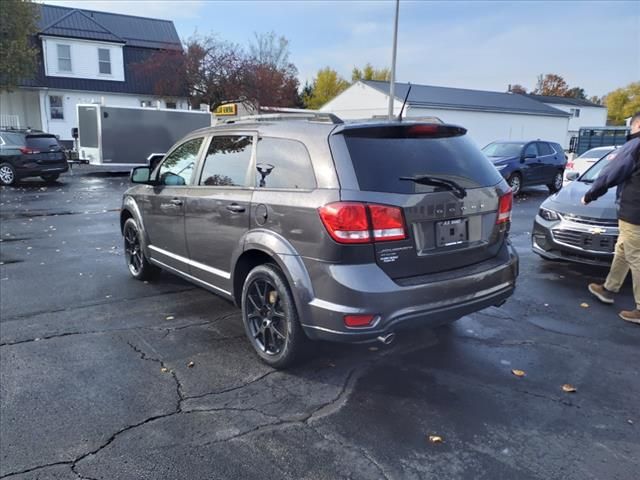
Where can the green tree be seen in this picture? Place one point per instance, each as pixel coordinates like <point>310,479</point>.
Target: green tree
<point>623,103</point>
<point>18,55</point>
<point>370,73</point>
<point>576,92</point>
<point>326,86</point>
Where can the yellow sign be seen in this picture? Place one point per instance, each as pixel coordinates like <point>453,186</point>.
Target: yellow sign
<point>227,110</point>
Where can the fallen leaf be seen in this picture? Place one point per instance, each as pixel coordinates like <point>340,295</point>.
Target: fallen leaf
<point>331,364</point>
<point>518,373</point>
<point>170,317</point>
<point>435,439</point>
<point>190,364</point>
<point>567,387</point>
<point>373,349</point>
<point>584,305</point>
<point>630,422</point>
<point>164,369</point>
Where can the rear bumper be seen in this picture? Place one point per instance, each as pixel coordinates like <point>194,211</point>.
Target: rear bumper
<point>37,169</point>
<point>365,289</point>
<point>545,244</point>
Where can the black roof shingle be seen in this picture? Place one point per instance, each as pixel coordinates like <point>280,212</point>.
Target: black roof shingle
<point>576,102</point>
<point>464,99</point>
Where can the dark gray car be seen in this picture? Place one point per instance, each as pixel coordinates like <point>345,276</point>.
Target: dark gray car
<point>323,230</point>
<point>565,229</point>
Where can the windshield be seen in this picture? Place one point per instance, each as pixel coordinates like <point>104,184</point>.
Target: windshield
<point>591,174</point>
<point>595,153</point>
<point>379,163</point>
<point>503,149</point>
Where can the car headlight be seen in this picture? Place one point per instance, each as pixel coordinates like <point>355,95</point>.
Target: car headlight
<point>500,167</point>
<point>549,215</point>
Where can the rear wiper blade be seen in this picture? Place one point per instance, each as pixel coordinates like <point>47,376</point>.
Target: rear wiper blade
<point>457,189</point>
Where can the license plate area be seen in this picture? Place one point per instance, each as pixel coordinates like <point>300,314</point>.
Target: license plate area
<point>452,232</point>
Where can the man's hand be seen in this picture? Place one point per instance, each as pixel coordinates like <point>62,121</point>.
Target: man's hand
<point>584,202</point>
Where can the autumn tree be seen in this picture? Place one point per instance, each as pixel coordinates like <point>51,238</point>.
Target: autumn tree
<point>326,85</point>
<point>18,54</point>
<point>551,84</point>
<point>576,92</point>
<point>370,73</point>
<point>623,103</point>
<point>517,88</point>
<point>269,49</point>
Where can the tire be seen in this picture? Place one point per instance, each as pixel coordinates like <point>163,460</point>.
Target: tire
<point>138,265</point>
<point>270,317</point>
<point>51,177</point>
<point>515,182</point>
<point>556,185</point>
<point>7,174</point>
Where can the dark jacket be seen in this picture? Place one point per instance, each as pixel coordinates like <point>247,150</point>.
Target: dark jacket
<point>623,170</point>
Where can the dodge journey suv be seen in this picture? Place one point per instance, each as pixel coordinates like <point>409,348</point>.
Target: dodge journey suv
<point>326,230</point>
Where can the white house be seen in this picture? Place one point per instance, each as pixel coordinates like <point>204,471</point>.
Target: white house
<point>487,116</point>
<point>583,113</point>
<point>89,57</point>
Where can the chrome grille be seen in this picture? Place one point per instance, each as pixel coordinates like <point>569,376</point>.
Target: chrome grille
<point>598,222</point>
<point>586,241</point>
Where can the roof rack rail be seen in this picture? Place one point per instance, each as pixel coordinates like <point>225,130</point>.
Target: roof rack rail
<point>269,117</point>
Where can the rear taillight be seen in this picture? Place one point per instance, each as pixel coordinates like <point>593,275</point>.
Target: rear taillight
<point>569,165</point>
<point>351,222</point>
<point>504,208</point>
<point>355,321</point>
<point>28,151</point>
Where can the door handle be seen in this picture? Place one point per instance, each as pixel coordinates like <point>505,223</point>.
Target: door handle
<point>235,208</point>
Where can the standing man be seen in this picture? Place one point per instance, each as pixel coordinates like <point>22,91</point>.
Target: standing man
<point>623,171</point>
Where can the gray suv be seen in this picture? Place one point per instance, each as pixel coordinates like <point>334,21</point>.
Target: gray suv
<point>326,230</point>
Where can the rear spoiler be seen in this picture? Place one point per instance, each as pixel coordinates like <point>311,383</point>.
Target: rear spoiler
<point>400,130</point>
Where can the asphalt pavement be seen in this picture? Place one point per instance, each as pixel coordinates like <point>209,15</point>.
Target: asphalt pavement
<point>105,377</point>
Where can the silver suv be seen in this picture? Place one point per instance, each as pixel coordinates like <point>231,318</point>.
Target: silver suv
<point>326,230</point>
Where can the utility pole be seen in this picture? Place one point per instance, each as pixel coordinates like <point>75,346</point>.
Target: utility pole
<point>392,83</point>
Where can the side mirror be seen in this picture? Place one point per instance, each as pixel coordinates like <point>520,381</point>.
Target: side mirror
<point>140,175</point>
<point>571,176</point>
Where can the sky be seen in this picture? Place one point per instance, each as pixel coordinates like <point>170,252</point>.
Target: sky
<point>482,45</point>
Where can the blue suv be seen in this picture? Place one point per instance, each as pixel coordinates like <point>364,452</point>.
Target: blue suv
<point>528,163</point>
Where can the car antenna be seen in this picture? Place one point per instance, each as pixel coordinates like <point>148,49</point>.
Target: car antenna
<point>406,97</point>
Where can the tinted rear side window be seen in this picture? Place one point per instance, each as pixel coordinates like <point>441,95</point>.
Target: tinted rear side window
<point>227,161</point>
<point>13,139</point>
<point>379,162</point>
<point>544,148</point>
<point>42,142</point>
<point>283,163</point>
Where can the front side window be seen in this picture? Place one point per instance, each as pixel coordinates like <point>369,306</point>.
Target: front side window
<point>64,57</point>
<point>178,167</point>
<point>282,163</point>
<point>227,161</point>
<point>56,110</point>
<point>531,150</point>
<point>104,61</point>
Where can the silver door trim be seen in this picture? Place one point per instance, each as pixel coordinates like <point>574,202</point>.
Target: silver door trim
<point>187,276</point>
<point>193,263</point>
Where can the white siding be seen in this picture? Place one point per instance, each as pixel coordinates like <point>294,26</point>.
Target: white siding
<point>84,59</point>
<point>70,99</point>
<point>486,127</point>
<point>361,102</point>
<point>589,117</point>
<point>24,104</point>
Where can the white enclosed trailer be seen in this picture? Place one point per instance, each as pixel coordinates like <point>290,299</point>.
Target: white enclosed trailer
<point>125,136</point>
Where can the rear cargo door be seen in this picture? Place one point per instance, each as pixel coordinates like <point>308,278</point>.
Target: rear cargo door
<point>44,149</point>
<point>446,228</point>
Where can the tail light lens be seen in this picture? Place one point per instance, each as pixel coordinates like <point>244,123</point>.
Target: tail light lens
<point>28,151</point>
<point>504,208</point>
<point>569,165</point>
<point>355,321</point>
<point>351,222</point>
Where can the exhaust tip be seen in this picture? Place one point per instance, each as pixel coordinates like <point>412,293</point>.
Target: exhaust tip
<point>387,339</point>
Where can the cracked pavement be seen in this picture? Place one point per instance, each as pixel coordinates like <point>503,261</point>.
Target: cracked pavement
<point>95,381</point>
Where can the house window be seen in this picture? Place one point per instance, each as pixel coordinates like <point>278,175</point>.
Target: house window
<point>171,105</point>
<point>64,58</point>
<point>104,61</point>
<point>56,111</point>
<point>575,112</point>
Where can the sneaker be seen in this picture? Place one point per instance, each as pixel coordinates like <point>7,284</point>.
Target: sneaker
<point>601,293</point>
<point>632,316</point>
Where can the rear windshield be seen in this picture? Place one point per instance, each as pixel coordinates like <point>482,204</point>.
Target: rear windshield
<point>42,142</point>
<point>595,153</point>
<point>379,162</point>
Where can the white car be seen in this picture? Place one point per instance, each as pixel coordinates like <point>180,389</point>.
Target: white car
<point>582,163</point>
